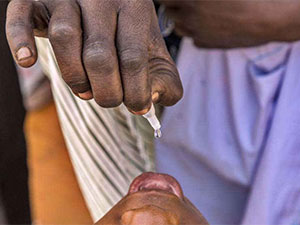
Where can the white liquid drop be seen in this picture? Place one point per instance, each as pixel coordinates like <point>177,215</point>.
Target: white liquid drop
<point>157,133</point>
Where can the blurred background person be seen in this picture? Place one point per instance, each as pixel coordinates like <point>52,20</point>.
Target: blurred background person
<point>233,138</point>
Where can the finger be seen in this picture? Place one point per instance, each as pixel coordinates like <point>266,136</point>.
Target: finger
<point>65,35</point>
<point>99,54</point>
<point>132,43</point>
<point>19,31</point>
<point>166,87</point>
<point>172,3</point>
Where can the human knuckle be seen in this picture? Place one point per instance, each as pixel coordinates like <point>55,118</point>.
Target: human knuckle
<point>133,60</point>
<point>73,83</point>
<point>62,32</point>
<point>99,60</point>
<point>76,83</point>
<point>13,27</point>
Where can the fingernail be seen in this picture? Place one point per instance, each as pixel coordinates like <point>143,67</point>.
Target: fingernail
<point>139,113</point>
<point>155,97</point>
<point>86,95</point>
<point>23,53</point>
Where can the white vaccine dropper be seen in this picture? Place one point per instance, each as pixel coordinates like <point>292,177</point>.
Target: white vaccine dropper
<point>154,122</point>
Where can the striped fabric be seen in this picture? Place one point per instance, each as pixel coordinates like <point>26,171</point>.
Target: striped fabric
<point>108,147</point>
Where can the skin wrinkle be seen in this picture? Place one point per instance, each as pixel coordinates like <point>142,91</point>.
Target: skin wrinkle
<point>62,31</point>
<point>133,61</point>
<point>98,59</point>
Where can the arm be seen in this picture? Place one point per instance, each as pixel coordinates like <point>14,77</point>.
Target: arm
<point>229,24</point>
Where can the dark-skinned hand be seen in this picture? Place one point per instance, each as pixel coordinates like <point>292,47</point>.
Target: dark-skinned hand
<point>230,23</point>
<point>109,50</point>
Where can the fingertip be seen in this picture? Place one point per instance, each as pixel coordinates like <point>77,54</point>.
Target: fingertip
<point>88,95</point>
<point>139,113</point>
